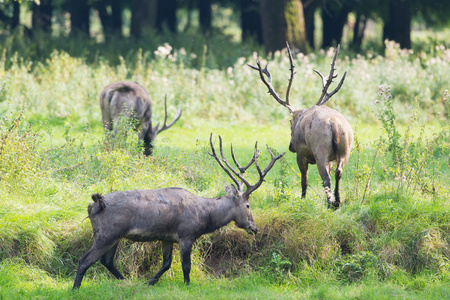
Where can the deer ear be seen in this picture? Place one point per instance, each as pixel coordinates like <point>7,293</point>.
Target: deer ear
<point>230,189</point>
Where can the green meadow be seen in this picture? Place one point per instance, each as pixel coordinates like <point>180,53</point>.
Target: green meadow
<point>390,239</point>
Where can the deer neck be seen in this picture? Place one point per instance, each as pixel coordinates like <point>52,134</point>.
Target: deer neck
<point>220,212</point>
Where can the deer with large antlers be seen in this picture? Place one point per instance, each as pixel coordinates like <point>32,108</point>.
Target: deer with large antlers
<point>171,215</point>
<point>319,135</point>
<point>131,100</point>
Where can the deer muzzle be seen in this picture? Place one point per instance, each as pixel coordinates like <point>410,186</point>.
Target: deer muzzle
<point>252,229</point>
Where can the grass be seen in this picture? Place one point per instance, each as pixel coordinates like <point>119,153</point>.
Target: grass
<point>390,238</point>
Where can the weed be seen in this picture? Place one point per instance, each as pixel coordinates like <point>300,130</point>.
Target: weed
<point>353,267</point>
<point>277,267</point>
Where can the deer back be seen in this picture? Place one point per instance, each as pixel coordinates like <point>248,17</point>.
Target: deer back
<point>169,214</point>
<point>320,132</point>
<point>126,98</point>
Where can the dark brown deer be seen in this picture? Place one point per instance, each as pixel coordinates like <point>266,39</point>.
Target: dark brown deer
<point>131,100</point>
<point>319,135</point>
<point>171,215</point>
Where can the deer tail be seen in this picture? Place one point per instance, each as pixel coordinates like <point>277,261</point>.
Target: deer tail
<point>98,198</point>
<point>335,144</point>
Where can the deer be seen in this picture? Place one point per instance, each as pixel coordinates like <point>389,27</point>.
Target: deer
<point>131,100</point>
<point>319,135</point>
<point>170,215</point>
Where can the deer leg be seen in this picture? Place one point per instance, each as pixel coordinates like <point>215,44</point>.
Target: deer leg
<point>97,250</point>
<point>185,253</point>
<point>107,261</point>
<point>324,171</point>
<point>167,261</point>
<point>338,175</point>
<point>107,125</point>
<point>146,135</point>
<point>303,166</point>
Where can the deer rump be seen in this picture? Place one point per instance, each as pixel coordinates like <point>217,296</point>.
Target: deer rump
<point>321,132</point>
<point>129,100</point>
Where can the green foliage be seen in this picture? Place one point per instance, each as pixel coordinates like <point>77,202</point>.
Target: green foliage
<point>387,118</point>
<point>277,267</point>
<point>19,153</point>
<point>353,267</point>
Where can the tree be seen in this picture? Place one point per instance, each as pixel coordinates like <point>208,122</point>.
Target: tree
<point>166,15</point>
<point>9,14</point>
<point>251,20</point>
<point>111,19</point>
<point>309,9</point>
<point>16,15</point>
<point>358,30</point>
<point>79,16</point>
<point>334,17</point>
<point>41,19</point>
<point>205,15</point>
<point>143,15</point>
<point>283,21</point>
<point>398,24</point>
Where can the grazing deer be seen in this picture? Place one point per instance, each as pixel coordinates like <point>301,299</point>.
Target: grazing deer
<point>131,100</point>
<point>319,135</point>
<point>171,215</point>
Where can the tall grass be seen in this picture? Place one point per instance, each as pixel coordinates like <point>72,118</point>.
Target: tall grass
<point>390,235</point>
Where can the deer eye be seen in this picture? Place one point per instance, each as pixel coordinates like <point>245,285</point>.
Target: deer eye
<point>248,205</point>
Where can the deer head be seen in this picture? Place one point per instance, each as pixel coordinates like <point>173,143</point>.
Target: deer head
<point>326,81</point>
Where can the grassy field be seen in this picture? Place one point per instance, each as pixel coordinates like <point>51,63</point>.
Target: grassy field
<point>390,238</point>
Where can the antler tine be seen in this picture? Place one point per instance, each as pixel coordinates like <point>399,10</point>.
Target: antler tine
<point>326,82</point>
<point>228,167</point>
<point>262,174</point>
<point>269,85</point>
<point>272,162</point>
<point>335,90</point>
<point>165,110</point>
<point>242,169</point>
<point>213,154</point>
<point>224,159</point>
<point>177,116</point>
<point>291,60</point>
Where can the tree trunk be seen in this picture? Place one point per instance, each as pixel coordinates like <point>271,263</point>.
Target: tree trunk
<point>105,18</point>
<point>283,21</point>
<point>251,21</point>
<point>334,17</point>
<point>42,16</point>
<point>16,15</point>
<point>398,25</point>
<point>143,15</point>
<point>79,17</point>
<point>358,31</point>
<point>116,17</point>
<point>309,9</point>
<point>111,22</point>
<point>205,16</point>
<point>166,15</point>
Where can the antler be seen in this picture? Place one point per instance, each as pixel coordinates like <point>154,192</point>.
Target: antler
<point>157,130</point>
<point>269,82</point>
<point>240,175</point>
<point>328,80</point>
<point>252,188</point>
